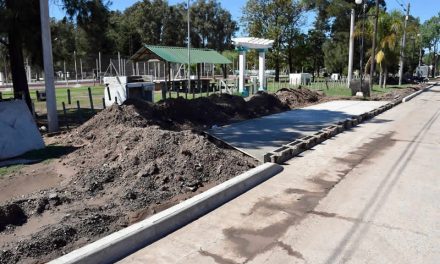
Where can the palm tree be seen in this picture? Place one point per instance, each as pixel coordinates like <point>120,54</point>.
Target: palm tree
<point>390,26</point>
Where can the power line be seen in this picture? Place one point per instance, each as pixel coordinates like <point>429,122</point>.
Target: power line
<point>401,5</point>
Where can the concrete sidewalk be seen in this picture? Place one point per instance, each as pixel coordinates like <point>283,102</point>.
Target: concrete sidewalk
<point>258,136</point>
<point>369,195</point>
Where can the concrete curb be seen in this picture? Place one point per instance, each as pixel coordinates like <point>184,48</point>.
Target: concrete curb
<point>304,143</point>
<point>411,96</point>
<point>128,240</point>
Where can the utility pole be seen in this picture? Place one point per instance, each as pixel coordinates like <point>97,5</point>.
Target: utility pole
<point>420,51</point>
<point>65,74</point>
<point>189,51</point>
<point>373,61</point>
<point>99,66</point>
<point>76,69</point>
<point>81,68</point>
<point>119,64</point>
<point>51,104</point>
<point>351,50</point>
<point>402,49</point>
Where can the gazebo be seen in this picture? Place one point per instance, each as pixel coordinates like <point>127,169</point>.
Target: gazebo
<point>243,44</point>
<point>179,55</point>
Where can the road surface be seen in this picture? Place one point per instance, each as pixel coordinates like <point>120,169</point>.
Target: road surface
<point>258,136</point>
<point>369,195</point>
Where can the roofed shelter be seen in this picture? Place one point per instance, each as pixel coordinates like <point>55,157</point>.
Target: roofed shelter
<point>261,45</point>
<point>179,55</point>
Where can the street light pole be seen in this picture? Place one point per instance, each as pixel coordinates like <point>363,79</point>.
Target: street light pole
<point>189,52</point>
<point>361,61</point>
<point>420,49</point>
<point>373,61</point>
<point>351,50</point>
<point>402,50</point>
<point>51,105</point>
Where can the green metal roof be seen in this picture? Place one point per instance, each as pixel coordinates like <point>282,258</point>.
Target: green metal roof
<point>179,55</point>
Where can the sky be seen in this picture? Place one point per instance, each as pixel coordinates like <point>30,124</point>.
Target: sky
<point>419,8</point>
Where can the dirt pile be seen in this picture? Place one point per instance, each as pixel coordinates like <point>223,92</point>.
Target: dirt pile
<point>397,93</point>
<point>294,98</point>
<point>126,169</point>
<point>129,162</point>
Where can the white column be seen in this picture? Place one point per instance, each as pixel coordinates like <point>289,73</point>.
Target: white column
<point>242,68</point>
<point>351,50</point>
<point>49,82</point>
<point>262,69</point>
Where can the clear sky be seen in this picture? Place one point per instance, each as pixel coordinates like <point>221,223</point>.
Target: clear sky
<point>419,8</point>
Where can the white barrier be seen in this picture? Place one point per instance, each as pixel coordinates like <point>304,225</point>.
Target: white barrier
<point>18,131</point>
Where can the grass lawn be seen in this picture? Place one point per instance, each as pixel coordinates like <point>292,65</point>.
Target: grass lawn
<point>81,94</point>
<point>76,93</point>
<point>45,155</point>
<point>338,89</point>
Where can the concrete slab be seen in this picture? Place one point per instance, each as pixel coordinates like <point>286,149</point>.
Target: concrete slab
<point>259,136</point>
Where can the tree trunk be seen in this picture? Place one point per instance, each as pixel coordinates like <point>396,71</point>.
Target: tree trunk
<point>290,59</point>
<point>21,88</point>
<point>385,78</point>
<point>434,63</point>
<point>380,78</point>
<point>277,68</point>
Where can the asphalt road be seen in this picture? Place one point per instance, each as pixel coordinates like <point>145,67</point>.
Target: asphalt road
<point>258,136</point>
<point>369,195</point>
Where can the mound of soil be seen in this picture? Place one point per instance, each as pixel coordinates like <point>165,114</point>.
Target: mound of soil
<point>294,98</point>
<point>127,168</point>
<point>397,94</point>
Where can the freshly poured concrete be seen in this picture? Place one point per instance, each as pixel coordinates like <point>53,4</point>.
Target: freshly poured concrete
<point>259,136</point>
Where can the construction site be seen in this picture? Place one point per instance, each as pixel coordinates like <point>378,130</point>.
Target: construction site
<point>150,132</point>
<point>127,163</point>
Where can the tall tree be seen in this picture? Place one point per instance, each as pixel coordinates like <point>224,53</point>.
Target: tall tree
<point>431,38</point>
<point>212,26</point>
<point>20,31</point>
<point>19,21</point>
<point>276,20</point>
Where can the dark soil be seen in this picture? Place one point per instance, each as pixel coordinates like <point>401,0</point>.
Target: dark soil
<point>398,94</point>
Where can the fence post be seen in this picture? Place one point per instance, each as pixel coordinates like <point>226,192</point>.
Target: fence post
<point>103,103</point>
<point>78,107</point>
<point>69,99</point>
<point>91,99</point>
<point>1,96</point>
<point>108,93</point>
<point>33,110</point>
<point>65,115</point>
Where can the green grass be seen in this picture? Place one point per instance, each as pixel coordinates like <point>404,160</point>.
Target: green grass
<point>337,89</point>
<point>76,93</point>
<point>10,169</point>
<point>44,156</point>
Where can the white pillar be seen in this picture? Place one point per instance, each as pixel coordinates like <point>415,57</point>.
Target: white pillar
<point>242,68</point>
<point>49,82</point>
<point>76,70</point>
<point>351,50</point>
<point>262,69</point>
